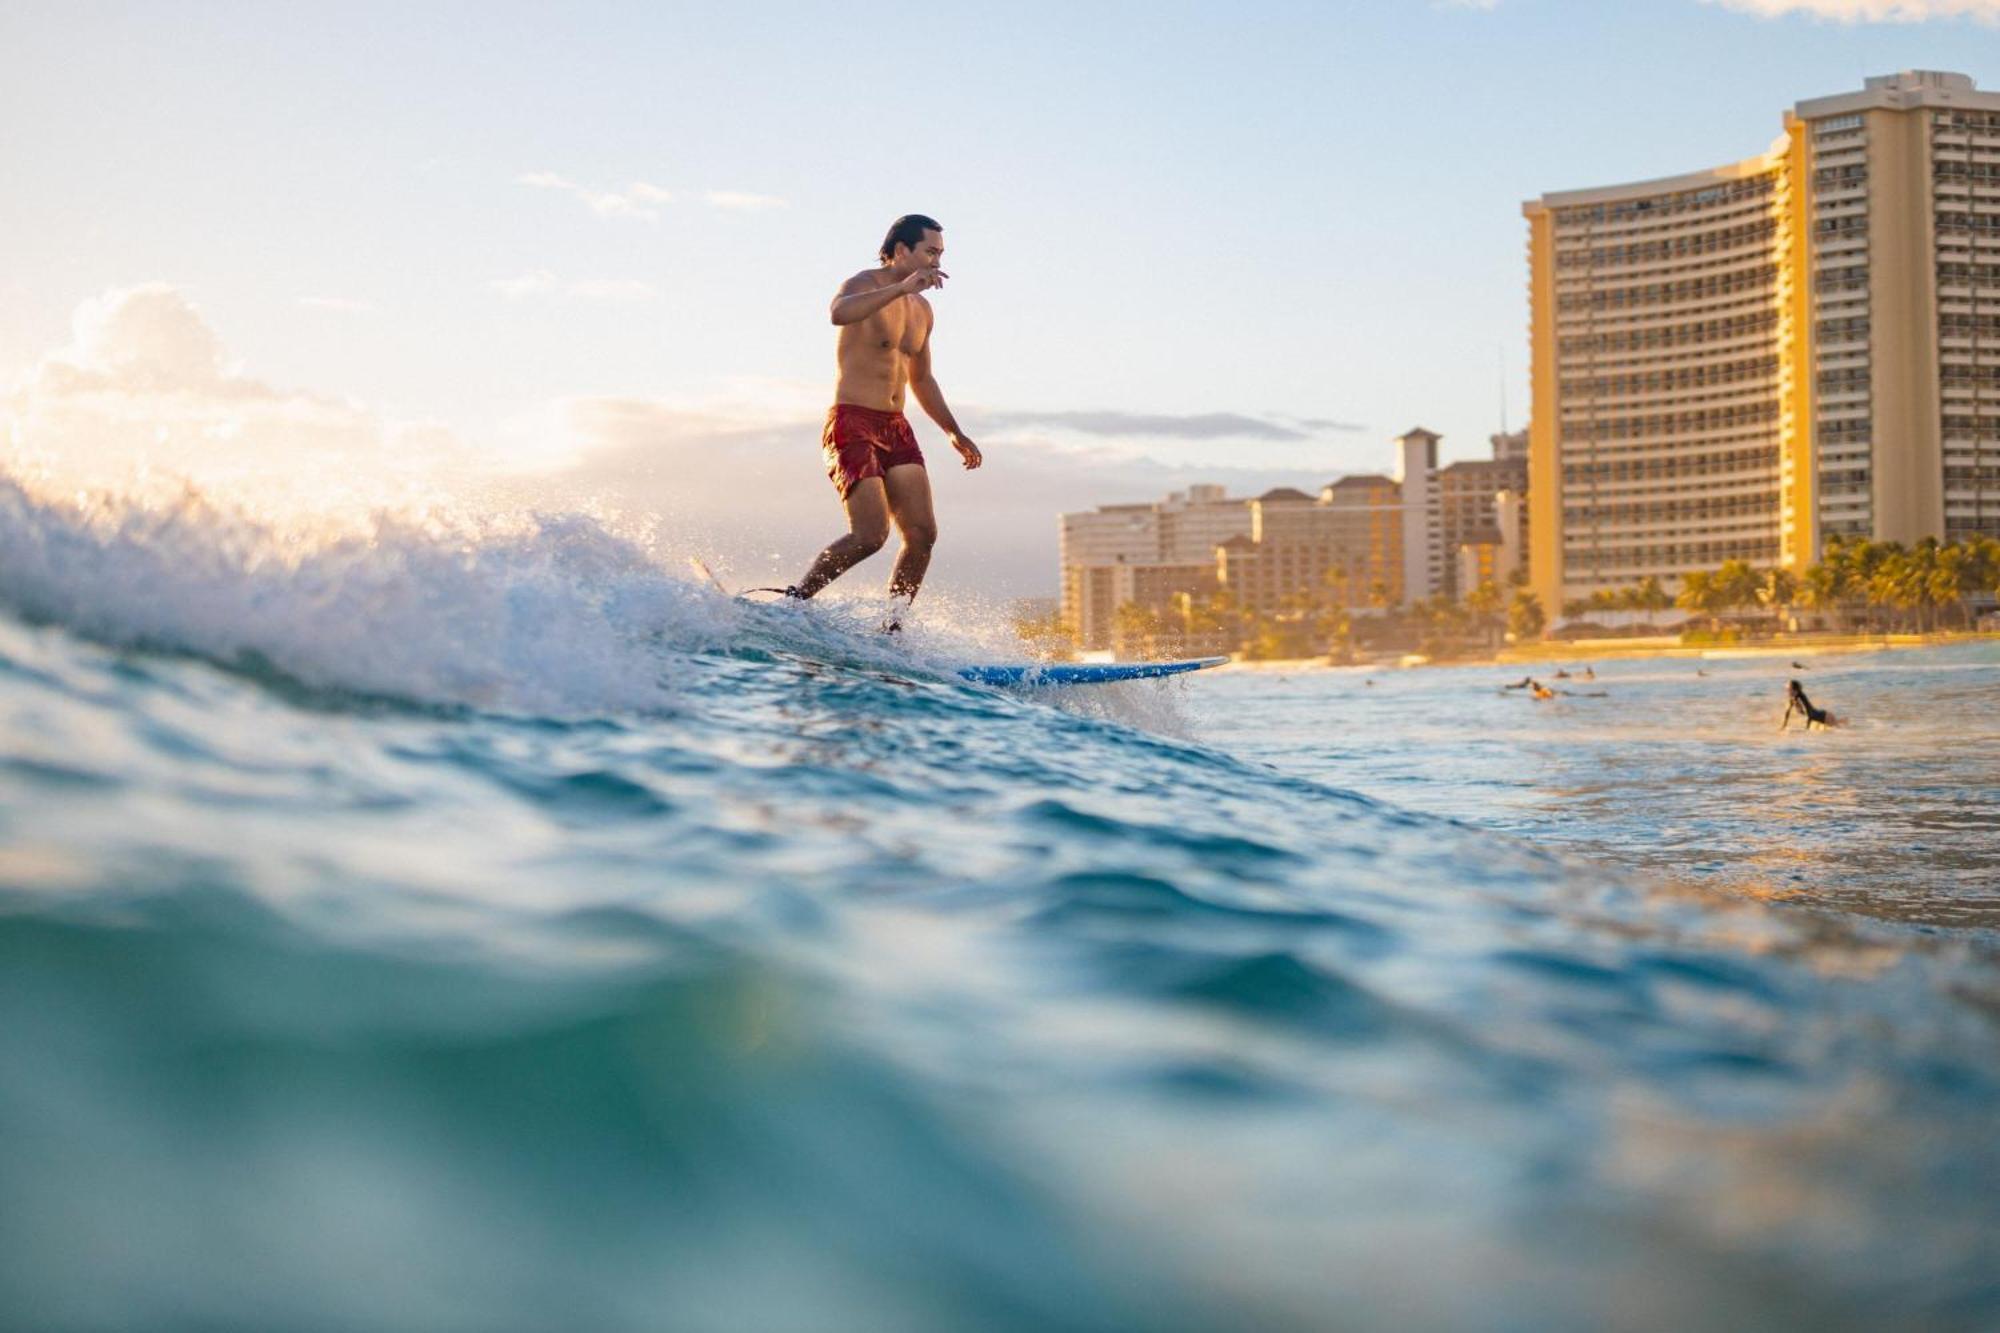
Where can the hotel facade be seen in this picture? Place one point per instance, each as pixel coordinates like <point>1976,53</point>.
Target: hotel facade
<point>1742,362</point>
<point>1362,543</point>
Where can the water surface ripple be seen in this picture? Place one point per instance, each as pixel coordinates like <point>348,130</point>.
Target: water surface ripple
<point>837,995</point>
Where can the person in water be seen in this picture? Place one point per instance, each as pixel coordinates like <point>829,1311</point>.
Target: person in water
<point>884,353</point>
<point>1795,698</point>
<point>1540,691</point>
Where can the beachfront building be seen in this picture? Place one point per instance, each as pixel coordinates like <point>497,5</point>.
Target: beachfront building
<point>1141,555</point>
<point>1469,497</point>
<point>1737,363</point>
<point>1368,543</point>
<point>1344,548</point>
<point>1492,554</point>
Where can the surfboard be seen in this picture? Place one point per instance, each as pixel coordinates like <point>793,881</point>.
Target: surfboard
<point>1082,673</point>
<point>1033,673</point>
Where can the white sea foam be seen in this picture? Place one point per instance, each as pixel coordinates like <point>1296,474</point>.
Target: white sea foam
<point>526,611</point>
<point>561,613</point>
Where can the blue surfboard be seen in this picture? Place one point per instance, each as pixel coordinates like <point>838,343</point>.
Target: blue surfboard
<point>1030,673</point>
<point>1082,673</point>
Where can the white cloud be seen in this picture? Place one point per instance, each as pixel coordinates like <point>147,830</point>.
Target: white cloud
<point>739,201</point>
<point>638,200</point>
<point>641,200</point>
<point>1869,11</point>
<point>541,282</point>
<point>610,289</point>
<point>147,401</point>
<point>145,396</point>
<point>746,485</point>
<point>538,283</point>
<point>148,337</point>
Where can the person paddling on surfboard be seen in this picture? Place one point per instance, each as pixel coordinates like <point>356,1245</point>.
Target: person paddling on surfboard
<point>871,454</point>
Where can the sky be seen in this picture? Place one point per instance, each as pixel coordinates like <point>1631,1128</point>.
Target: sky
<point>593,243</point>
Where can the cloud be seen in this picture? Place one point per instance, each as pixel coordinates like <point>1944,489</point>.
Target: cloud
<point>345,304</point>
<point>145,395</point>
<point>146,399</point>
<point>641,200</point>
<point>541,282</point>
<point>638,200</point>
<point>739,201</point>
<point>750,490</point>
<point>1198,426</point>
<point>1869,11</point>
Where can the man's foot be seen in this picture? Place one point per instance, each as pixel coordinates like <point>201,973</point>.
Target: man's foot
<point>893,624</point>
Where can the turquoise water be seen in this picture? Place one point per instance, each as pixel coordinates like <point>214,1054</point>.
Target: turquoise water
<point>492,930</point>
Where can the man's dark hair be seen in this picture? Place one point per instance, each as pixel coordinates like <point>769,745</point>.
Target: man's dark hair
<point>907,230</point>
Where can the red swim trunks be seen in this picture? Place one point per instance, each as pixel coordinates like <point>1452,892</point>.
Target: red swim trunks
<point>861,442</point>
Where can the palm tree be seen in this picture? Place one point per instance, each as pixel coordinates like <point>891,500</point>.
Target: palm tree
<point>1820,589</point>
<point>1132,626</point>
<point>1525,617</point>
<point>1953,577</point>
<point>1485,602</point>
<point>1651,598</point>
<point>1699,594</point>
<point>1779,588</point>
<point>1735,584</point>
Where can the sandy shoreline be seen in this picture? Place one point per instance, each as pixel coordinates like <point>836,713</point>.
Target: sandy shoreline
<point>1603,650</point>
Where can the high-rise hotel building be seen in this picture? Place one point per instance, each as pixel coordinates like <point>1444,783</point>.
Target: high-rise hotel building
<point>1741,362</point>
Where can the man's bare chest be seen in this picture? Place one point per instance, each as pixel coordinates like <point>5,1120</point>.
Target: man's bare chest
<point>899,328</point>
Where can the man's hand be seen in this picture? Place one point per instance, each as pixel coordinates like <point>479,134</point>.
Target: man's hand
<point>922,280</point>
<point>966,450</point>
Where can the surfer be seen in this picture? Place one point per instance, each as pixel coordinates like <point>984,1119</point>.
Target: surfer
<point>884,353</point>
<point>1795,698</point>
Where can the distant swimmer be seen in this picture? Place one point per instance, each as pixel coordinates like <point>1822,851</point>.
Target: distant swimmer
<point>1699,672</point>
<point>1795,698</point>
<point>1589,674</point>
<point>1521,684</point>
<point>1800,666</point>
<point>1369,683</point>
<point>1561,674</point>
<point>871,455</point>
<point>1540,691</point>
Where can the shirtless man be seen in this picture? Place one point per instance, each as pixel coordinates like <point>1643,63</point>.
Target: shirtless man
<point>871,455</point>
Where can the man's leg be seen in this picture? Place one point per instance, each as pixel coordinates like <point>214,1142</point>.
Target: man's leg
<point>867,529</point>
<point>909,495</point>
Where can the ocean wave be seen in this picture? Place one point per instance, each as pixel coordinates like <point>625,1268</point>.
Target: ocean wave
<point>554,613</point>
<point>808,989</point>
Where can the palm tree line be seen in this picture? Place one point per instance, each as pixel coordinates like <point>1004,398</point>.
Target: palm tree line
<point>1857,584</point>
<point>1321,620</point>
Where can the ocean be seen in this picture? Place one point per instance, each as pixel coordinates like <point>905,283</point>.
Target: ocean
<point>460,927</point>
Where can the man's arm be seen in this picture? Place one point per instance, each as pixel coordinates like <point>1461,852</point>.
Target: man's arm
<point>860,296</point>
<point>931,398</point>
